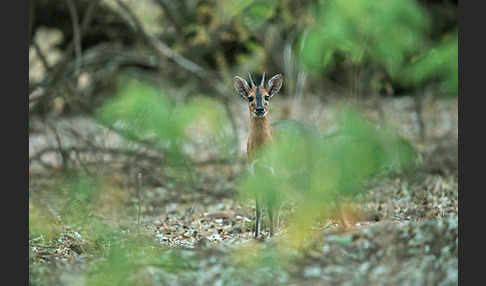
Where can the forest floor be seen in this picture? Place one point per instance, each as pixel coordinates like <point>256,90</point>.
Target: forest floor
<point>201,234</point>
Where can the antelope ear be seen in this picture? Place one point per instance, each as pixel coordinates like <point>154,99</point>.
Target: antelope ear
<point>241,86</point>
<point>274,84</point>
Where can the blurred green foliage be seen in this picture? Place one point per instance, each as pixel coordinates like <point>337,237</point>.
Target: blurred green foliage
<point>405,44</point>
<point>392,35</point>
<point>74,202</point>
<point>41,225</point>
<point>253,14</point>
<point>384,32</point>
<point>142,113</point>
<point>85,224</point>
<point>227,36</point>
<point>136,261</point>
<point>268,263</point>
<point>439,63</point>
<point>318,173</point>
<point>305,170</point>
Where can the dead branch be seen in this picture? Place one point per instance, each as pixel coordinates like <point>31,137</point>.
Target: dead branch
<point>164,50</point>
<point>76,36</point>
<point>57,73</point>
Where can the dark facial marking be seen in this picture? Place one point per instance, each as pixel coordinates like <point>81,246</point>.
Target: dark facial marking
<point>259,98</point>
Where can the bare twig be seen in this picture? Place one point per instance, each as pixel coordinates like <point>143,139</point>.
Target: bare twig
<point>418,100</point>
<point>42,246</point>
<point>101,60</point>
<point>168,52</point>
<point>83,164</point>
<point>56,76</point>
<point>76,36</point>
<point>31,19</point>
<point>34,99</point>
<point>296,81</point>
<point>139,195</point>
<point>113,151</point>
<point>42,57</point>
<point>440,185</point>
<point>278,217</point>
<point>192,208</point>
<point>62,151</point>
<point>161,46</point>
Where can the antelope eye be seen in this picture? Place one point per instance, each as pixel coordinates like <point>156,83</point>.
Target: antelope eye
<point>250,99</point>
<point>267,97</point>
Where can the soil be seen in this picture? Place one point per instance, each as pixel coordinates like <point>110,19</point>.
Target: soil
<point>200,233</point>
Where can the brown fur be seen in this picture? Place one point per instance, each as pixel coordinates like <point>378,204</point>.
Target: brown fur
<point>252,105</point>
<point>261,134</point>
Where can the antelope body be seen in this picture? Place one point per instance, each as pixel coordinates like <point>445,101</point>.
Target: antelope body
<point>261,132</point>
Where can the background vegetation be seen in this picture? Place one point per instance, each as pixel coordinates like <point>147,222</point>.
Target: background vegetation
<point>137,142</point>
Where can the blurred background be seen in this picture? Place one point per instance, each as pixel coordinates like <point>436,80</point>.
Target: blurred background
<point>137,140</point>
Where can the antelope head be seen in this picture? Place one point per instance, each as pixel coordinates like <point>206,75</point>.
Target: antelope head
<point>258,96</point>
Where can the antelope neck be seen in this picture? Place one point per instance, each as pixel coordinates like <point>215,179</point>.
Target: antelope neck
<point>260,134</point>
<point>260,126</point>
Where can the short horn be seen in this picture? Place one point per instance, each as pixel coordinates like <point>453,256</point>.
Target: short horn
<point>251,80</point>
<point>263,80</point>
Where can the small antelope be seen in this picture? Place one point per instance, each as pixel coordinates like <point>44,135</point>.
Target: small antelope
<point>262,133</point>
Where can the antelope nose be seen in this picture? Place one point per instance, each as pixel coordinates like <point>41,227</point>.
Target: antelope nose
<point>259,109</point>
